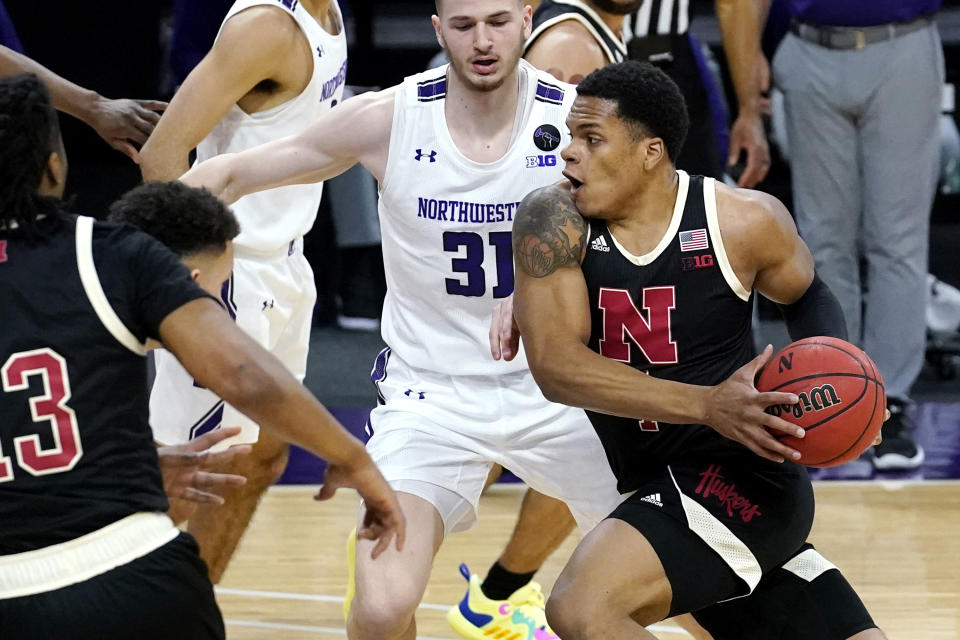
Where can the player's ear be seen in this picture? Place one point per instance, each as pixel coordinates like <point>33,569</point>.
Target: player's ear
<point>656,152</point>
<point>55,174</point>
<point>436,27</point>
<point>527,16</point>
<point>195,274</point>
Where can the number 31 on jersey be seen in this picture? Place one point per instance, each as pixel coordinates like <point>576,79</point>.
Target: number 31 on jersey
<point>471,264</point>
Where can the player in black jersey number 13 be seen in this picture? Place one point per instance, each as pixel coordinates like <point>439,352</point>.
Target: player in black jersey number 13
<point>86,549</point>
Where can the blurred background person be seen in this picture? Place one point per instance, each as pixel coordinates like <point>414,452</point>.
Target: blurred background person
<point>862,82</point>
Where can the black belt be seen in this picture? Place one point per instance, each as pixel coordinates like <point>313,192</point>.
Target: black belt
<point>856,37</point>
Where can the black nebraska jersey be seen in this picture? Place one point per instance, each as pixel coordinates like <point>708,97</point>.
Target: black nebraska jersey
<point>78,302</point>
<point>551,12</point>
<point>677,313</point>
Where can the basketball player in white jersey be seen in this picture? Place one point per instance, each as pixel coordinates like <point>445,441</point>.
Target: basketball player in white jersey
<point>454,149</point>
<point>276,66</point>
<point>569,39</point>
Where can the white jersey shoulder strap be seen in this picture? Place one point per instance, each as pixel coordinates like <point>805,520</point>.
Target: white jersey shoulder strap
<point>288,6</point>
<point>91,286</point>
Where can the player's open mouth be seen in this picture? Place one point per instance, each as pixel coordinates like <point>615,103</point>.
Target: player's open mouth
<point>574,183</point>
<point>485,65</point>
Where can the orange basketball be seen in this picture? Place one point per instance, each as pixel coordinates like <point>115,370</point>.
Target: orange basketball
<point>842,399</point>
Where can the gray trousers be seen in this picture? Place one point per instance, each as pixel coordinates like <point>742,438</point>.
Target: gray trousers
<point>864,147</point>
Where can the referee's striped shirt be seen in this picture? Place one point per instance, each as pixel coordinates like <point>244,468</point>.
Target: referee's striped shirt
<point>658,17</point>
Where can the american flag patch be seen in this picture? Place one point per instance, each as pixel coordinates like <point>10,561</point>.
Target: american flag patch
<point>694,240</point>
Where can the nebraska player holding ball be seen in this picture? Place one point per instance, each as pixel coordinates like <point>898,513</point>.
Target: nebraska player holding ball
<point>635,263</point>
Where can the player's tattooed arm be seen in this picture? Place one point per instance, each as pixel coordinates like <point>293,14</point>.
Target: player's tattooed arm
<point>548,232</point>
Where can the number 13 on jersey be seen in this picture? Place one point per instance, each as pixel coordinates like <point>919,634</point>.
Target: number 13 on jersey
<point>474,282</point>
<point>49,407</point>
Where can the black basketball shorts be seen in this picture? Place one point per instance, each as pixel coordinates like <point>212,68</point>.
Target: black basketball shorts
<point>806,599</point>
<point>719,521</point>
<point>163,595</point>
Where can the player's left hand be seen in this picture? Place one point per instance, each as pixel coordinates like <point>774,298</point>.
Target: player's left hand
<point>187,480</point>
<point>504,332</point>
<point>879,439</point>
<point>124,122</point>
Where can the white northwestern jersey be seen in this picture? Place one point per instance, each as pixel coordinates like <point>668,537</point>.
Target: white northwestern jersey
<point>446,221</point>
<point>269,220</point>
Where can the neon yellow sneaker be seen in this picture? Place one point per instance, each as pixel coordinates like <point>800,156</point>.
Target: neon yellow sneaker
<point>351,573</point>
<point>519,617</point>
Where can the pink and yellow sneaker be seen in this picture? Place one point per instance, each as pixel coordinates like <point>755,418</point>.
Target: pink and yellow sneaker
<point>519,617</point>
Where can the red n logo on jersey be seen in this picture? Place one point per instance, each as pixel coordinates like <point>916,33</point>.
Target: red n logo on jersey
<point>623,323</point>
<point>3,250</point>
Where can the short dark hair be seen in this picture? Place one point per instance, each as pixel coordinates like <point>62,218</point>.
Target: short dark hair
<point>185,219</point>
<point>29,133</point>
<point>437,4</point>
<point>646,97</point>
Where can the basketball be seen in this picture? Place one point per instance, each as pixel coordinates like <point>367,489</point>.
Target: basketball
<point>842,399</point>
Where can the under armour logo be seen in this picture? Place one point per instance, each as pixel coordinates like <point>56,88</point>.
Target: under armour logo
<point>420,154</point>
<point>267,304</point>
<point>420,394</point>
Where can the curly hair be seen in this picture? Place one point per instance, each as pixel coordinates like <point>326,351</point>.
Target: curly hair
<point>646,97</point>
<point>29,133</point>
<point>187,220</point>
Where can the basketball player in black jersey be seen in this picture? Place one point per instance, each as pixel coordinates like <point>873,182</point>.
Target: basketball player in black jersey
<point>572,38</point>
<point>633,295</point>
<point>86,551</point>
<point>194,226</point>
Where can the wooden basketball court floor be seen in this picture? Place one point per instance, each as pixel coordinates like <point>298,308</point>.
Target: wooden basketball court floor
<point>898,543</point>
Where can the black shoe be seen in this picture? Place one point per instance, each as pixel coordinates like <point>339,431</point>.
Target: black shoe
<point>898,450</point>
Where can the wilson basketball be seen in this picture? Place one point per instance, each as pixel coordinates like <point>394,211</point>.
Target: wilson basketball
<point>842,398</point>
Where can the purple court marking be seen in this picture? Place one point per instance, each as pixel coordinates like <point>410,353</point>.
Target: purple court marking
<point>938,432</point>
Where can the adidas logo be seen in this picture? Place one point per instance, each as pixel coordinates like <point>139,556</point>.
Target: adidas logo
<point>653,498</point>
<point>600,244</point>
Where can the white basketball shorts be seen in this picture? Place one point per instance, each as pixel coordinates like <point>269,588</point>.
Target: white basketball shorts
<point>271,297</point>
<point>437,431</point>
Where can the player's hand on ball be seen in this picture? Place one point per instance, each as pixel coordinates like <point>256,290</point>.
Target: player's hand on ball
<point>382,518</point>
<point>504,332</point>
<point>886,416</point>
<point>736,410</point>
<point>186,470</point>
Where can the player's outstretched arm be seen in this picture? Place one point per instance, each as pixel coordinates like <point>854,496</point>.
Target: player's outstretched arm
<point>252,48</point>
<point>567,51</point>
<point>358,130</point>
<point>552,309</point>
<point>121,123</point>
<point>223,358</point>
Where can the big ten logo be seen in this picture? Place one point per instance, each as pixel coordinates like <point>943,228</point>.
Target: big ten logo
<point>691,263</point>
<point>541,161</point>
<point>816,399</point>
